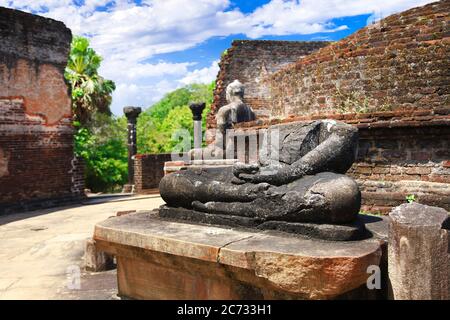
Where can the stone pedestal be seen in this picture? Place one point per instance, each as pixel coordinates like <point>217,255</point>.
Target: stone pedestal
<point>162,259</point>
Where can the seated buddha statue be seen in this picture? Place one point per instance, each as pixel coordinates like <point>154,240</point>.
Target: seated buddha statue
<point>305,184</point>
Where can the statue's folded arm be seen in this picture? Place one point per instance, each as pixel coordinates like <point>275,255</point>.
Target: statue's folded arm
<point>334,154</point>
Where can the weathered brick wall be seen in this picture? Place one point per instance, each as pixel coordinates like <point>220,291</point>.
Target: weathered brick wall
<point>397,162</point>
<point>37,165</point>
<point>400,63</point>
<point>148,171</point>
<point>250,61</point>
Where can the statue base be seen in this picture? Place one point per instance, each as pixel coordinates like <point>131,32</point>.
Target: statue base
<point>333,232</point>
<point>162,259</point>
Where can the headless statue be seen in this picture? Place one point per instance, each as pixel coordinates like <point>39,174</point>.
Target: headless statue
<point>305,183</point>
<point>235,111</point>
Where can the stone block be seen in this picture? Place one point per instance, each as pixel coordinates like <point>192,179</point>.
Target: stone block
<point>97,260</point>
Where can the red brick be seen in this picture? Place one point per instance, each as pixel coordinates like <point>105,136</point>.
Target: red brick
<point>418,170</point>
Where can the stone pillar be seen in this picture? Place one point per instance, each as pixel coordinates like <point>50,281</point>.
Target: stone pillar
<point>418,256</point>
<point>132,114</point>
<point>197,109</point>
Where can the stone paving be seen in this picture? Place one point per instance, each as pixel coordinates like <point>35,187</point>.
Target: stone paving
<point>41,252</point>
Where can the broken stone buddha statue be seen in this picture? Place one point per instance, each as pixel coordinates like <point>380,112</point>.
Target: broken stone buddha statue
<point>304,190</point>
<point>235,111</point>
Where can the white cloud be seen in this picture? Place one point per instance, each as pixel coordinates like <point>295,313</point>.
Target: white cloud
<point>204,75</point>
<point>127,35</point>
<point>129,70</point>
<point>280,17</point>
<point>138,94</point>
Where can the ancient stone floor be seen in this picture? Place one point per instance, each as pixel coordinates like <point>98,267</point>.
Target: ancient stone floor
<point>41,252</point>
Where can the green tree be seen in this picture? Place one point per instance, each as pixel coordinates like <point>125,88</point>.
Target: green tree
<point>103,147</point>
<point>99,138</point>
<point>157,124</point>
<point>90,92</point>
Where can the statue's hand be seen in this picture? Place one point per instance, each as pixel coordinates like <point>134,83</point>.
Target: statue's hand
<point>239,168</point>
<point>257,189</point>
<point>270,174</point>
<point>269,178</point>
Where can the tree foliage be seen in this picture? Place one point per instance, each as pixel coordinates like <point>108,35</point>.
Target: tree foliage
<point>90,92</point>
<point>157,125</point>
<point>103,147</point>
<point>100,137</point>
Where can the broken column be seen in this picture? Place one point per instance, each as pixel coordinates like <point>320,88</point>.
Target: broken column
<point>197,109</point>
<point>418,252</point>
<point>132,114</point>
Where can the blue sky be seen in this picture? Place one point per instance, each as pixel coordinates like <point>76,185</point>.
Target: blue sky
<point>151,47</point>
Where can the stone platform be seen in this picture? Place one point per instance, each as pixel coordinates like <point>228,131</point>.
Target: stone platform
<point>162,259</point>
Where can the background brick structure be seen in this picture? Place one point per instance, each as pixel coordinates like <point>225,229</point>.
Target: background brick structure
<point>37,164</point>
<point>148,171</point>
<point>392,80</point>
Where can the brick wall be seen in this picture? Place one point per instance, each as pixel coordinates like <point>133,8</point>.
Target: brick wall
<point>37,165</point>
<point>250,61</point>
<point>400,161</point>
<point>148,171</point>
<point>400,63</point>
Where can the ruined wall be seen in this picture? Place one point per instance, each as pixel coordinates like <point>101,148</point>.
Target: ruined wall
<point>394,161</point>
<point>37,165</point>
<point>148,171</point>
<point>399,63</point>
<point>250,61</point>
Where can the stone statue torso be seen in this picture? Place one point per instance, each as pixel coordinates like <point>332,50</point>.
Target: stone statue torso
<point>295,140</point>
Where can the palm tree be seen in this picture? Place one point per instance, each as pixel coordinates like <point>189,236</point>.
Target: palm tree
<point>90,92</point>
